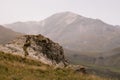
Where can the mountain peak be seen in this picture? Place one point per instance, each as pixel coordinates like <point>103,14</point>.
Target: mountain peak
<point>68,17</point>
<point>67,13</point>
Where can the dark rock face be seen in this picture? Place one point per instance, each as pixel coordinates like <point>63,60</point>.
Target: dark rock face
<point>81,70</point>
<point>78,68</point>
<point>37,47</point>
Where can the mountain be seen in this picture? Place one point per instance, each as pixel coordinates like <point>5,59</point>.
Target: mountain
<point>74,32</point>
<point>7,34</point>
<point>36,47</point>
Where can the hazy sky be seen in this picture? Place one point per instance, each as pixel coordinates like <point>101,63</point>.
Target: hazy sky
<point>28,10</point>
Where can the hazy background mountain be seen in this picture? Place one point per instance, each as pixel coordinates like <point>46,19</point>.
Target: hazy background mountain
<point>7,35</point>
<point>30,27</point>
<point>83,35</point>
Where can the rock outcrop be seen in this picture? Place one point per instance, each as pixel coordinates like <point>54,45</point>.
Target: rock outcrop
<point>36,47</point>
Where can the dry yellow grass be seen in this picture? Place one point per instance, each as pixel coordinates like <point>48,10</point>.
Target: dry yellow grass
<point>17,68</point>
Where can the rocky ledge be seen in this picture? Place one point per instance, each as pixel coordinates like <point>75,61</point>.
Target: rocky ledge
<point>36,47</point>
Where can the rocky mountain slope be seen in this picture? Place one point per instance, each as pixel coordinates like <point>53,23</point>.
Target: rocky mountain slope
<point>7,35</point>
<point>74,32</point>
<point>36,47</point>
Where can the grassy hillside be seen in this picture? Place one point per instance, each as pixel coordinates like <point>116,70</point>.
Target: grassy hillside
<point>14,67</point>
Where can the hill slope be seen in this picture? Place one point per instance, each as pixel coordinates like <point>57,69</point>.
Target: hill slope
<point>7,35</point>
<point>13,67</point>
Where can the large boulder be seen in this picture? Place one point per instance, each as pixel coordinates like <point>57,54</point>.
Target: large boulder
<point>36,47</point>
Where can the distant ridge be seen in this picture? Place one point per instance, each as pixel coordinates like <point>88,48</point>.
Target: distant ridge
<point>7,35</point>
